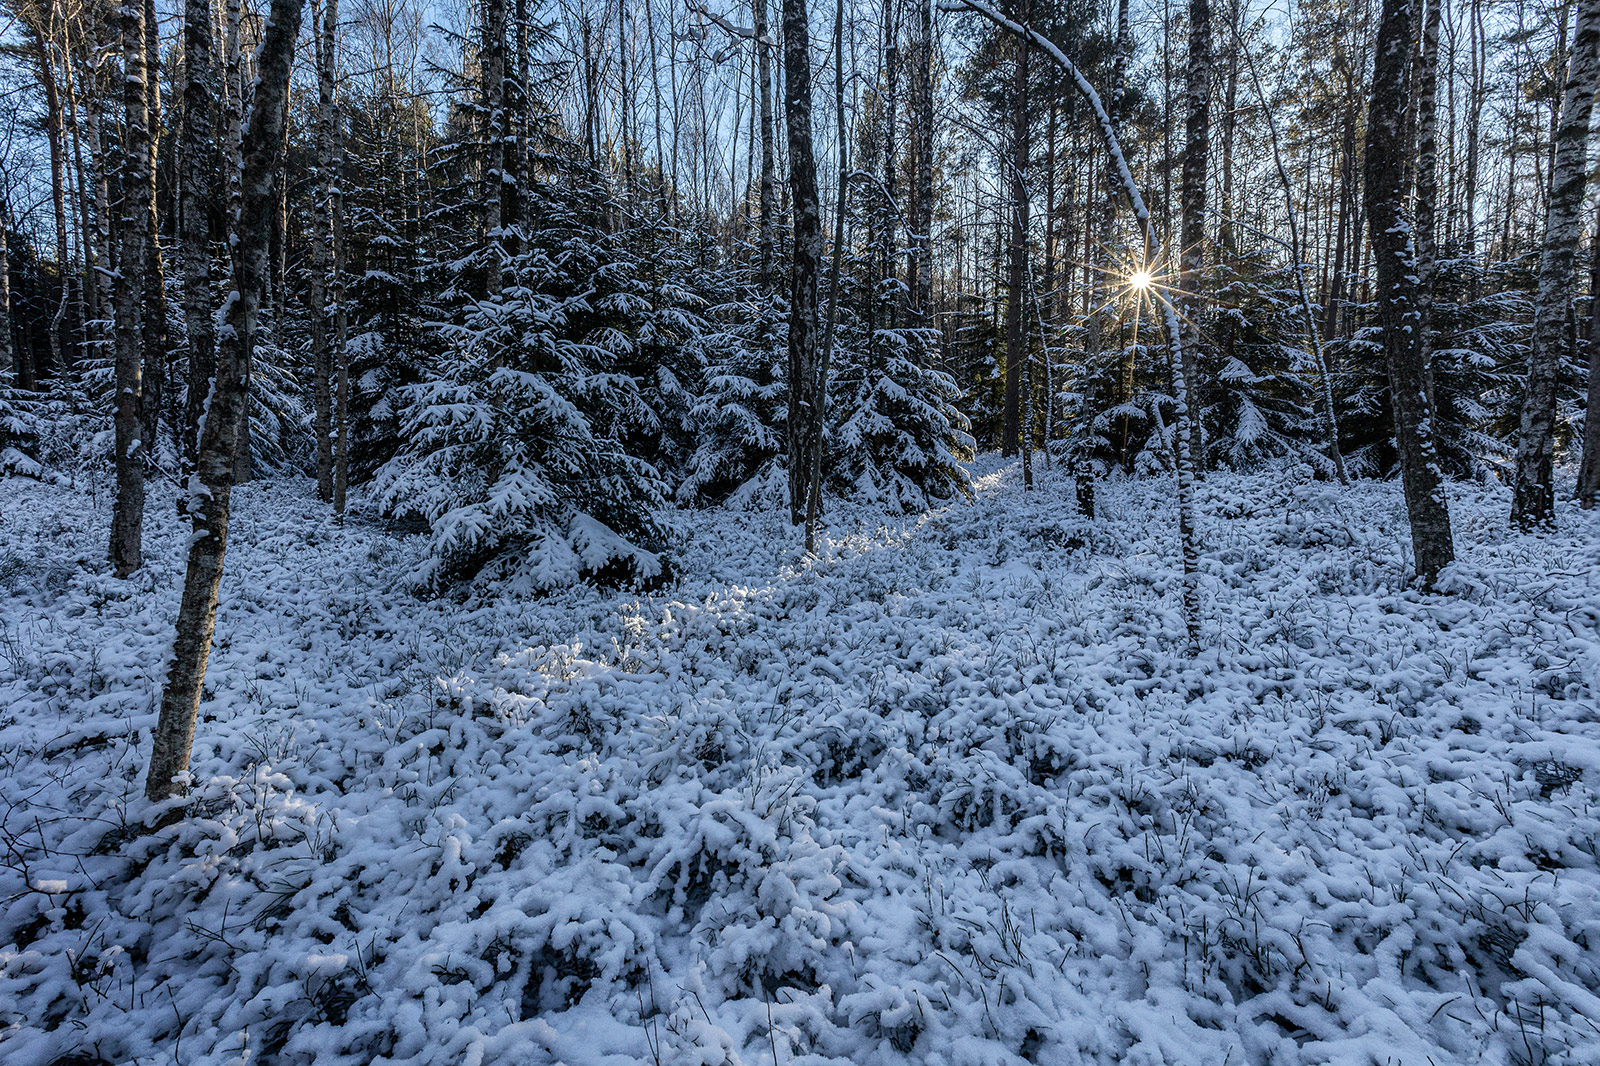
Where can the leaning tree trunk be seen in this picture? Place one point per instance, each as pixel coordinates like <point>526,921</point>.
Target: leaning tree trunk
<point>1187,536</point>
<point>208,502</point>
<point>127,514</point>
<point>1589,470</point>
<point>1533,500</point>
<point>1192,194</point>
<point>804,427</point>
<point>197,179</point>
<point>1396,264</point>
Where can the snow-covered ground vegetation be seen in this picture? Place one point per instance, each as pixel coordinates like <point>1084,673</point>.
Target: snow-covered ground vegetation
<point>951,792</point>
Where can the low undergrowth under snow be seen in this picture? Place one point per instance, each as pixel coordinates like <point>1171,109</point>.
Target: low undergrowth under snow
<point>949,794</point>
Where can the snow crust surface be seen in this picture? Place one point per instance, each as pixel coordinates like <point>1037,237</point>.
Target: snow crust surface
<point>949,793</point>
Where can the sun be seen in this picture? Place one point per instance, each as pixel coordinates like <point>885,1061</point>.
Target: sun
<point>1140,280</point>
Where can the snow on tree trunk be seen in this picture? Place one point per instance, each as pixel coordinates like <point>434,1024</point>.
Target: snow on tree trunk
<point>210,486</point>
<point>1397,284</point>
<point>805,413</point>
<point>127,515</point>
<point>154,311</point>
<point>1533,500</point>
<point>1192,195</point>
<point>197,154</point>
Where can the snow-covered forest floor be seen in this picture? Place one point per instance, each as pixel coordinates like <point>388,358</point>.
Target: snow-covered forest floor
<point>950,794</point>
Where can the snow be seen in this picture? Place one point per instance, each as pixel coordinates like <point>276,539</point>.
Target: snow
<point>949,793</point>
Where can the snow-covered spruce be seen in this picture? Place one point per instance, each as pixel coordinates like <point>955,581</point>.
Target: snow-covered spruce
<point>945,794</point>
<point>513,451</point>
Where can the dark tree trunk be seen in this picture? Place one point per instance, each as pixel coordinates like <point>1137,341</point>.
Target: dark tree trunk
<point>1533,500</point>
<point>1427,185</point>
<point>323,30</point>
<point>920,269</point>
<point>1017,262</point>
<point>1396,266</point>
<point>208,507</point>
<point>155,286</point>
<point>7,352</point>
<point>805,387</point>
<point>768,171</point>
<point>1589,469</point>
<point>198,175</point>
<point>127,515</point>
<point>1191,263</point>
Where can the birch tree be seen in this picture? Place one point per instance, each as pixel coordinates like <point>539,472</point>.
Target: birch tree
<point>197,155</point>
<point>1533,499</point>
<point>210,487</point>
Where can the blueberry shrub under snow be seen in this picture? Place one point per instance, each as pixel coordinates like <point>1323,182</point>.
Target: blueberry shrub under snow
<point>951,793</point>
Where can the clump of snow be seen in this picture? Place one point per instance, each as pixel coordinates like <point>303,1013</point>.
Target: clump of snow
<point>948,793</point>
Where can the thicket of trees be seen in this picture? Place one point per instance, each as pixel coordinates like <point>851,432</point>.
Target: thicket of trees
<point>531,273</point>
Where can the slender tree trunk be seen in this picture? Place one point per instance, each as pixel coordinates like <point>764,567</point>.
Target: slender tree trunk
<point>324,20</point>
<point>919,268</point>
<point>814,493</point>
<point>494,93</point>
<point>7,351</point>
<point>768,173</point>
<point>341,316</point>
<point>1390,235</point>
<point>1330,417</point>
<point>1192,195</point>
<point>1016,322</point>
<point>1589,469</point>
<point>44,43</point>
<point>1533,501</point>
<point>209,505</point>
<point>197,155</point>
<point>1427,185</point>
<point>805,414</point>
<point>127,516</point>
<point>154,293</point>
<point>1099,289</point>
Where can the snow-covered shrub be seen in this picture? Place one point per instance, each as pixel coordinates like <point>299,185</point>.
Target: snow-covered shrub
<point>19,431</point>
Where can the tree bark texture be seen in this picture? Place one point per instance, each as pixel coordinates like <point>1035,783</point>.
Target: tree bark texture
<point>1397,283</point>
<point>1533,498</point>
<point>211,485</point>
<point>805,415</point>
